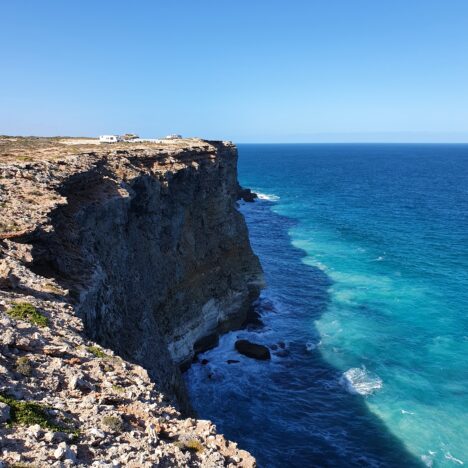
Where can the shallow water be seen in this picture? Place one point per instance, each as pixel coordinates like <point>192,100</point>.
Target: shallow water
<point>365,251</point>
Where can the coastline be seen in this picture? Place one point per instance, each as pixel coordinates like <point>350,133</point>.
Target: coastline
<point>354,290</point>
<point>296,399</point>
<point>136,253</point>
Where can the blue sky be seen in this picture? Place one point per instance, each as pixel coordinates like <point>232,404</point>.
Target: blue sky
<point>245,70</point>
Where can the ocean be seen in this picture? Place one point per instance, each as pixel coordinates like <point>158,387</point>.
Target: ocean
<point>365,253</point>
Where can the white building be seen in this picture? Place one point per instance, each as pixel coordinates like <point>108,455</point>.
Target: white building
<point>173,136</point>
<point>109,139</point>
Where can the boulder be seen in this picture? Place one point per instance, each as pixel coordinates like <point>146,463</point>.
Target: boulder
<point>246,194</point>
<point>7,278</point>
<point>64,452</point>
<point>4,412</point>
<point>253,350</point>
<point>78,382</point>
<point>35,431</point>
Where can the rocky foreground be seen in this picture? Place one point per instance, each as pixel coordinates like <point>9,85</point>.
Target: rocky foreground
<point>65,401</point>
<point>69,211</point>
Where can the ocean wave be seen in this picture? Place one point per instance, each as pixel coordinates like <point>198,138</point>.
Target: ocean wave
<point>267,196</point>
<point>450,457</point>
<point>360,381</point>
<point>427,460</point>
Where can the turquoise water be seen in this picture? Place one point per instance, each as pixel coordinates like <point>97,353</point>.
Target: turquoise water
<point>365,251</point>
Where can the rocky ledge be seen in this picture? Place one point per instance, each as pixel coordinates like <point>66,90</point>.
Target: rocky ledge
<point>116,264</point>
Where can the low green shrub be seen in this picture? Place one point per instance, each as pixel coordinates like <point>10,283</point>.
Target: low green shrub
<point>113,423</point>
<point>23,366</point>
<point>29,413</point>
<point>98,352</point>
<point>28,313</point>
<point>191,444</point>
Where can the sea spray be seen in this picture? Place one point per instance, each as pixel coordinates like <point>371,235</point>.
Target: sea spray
<point>360,381</point>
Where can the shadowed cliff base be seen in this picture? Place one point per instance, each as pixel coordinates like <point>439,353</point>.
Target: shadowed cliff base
<point>287,411</point>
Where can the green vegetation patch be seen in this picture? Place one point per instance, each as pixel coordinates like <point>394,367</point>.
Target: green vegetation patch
<point>113,423</point>
<point>98,352</point>
<point>190,444</point>
<point>23,366</point>
<point>8,227</point>
<point>28,313</point>
<point>29,413</point>
<point>50,287</point>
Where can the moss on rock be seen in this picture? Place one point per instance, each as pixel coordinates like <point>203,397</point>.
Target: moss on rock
<point>98,352</point>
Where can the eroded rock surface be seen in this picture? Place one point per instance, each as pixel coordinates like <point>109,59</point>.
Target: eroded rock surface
<point>134,254</point>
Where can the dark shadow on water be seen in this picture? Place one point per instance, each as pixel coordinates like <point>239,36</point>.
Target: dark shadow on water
<point>300,416</point>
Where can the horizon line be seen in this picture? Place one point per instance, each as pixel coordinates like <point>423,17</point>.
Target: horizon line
<point>351,142</point>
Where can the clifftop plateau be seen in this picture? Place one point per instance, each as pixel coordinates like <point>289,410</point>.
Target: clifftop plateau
<point>118,263</point>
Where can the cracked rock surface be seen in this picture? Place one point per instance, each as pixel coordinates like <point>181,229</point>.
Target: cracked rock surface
<point>115,261</point>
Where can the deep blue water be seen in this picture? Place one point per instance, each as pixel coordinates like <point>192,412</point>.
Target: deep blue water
<point>365,252</point>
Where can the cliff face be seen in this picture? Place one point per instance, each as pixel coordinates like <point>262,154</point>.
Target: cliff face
<point>144,241</point>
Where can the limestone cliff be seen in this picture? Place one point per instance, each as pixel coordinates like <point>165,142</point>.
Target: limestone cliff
<point>142,242</point>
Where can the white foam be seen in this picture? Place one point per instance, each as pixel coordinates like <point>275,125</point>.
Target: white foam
<point>267,196</point>
<point>360,381</point>
<point>406,412</point>
<point>427,460</point>
<point>450,457</point>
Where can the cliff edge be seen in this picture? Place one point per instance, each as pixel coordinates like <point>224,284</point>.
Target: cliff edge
<point>117,264</point>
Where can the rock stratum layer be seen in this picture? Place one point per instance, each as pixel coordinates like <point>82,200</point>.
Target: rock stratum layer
<point>118,263</point>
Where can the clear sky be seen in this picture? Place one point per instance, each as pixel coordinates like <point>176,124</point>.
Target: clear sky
<point>245,70</point>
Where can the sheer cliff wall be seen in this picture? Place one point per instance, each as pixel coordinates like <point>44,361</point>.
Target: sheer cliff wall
<point>148,243</point>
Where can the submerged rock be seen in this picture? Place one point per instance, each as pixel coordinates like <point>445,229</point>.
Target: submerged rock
<point>246,194</point>
<point>253,350</point>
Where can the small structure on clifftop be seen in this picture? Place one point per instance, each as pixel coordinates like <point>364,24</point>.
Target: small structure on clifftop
<point>173,136</point>
<point>109,139</point>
